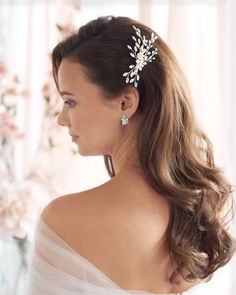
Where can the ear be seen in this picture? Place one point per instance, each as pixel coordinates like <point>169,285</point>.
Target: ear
<point>129,101</point>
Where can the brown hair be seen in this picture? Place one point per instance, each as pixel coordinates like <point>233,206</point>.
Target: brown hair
<point>175,154</point>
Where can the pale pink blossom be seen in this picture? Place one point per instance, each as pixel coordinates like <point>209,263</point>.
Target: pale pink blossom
<point>25,93</point>
<point>66,29</point>
<point>16,79</point>
<point>10,84</point>
<point>77,6</point>
<point>15,132</point>
<point>9,129</point>
<point>20,207</point>
<point>11,91</point>
<point>3,69</point>
<point>49,110</point>
<point>46,89</point>
<point>11,88</point>
<point>21,202</point>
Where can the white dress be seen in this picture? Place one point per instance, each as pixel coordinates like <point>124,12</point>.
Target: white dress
<point>56,269</point>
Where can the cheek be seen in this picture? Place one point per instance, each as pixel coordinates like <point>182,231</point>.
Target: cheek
<point>108,131</point>
<point>105,124</point>
<point>104,127</point>
<point>98,126</point>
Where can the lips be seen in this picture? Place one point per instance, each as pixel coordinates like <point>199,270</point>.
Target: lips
<point>73,138</point>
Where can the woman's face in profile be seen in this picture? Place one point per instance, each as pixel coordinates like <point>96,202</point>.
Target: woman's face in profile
<point>92,119</point>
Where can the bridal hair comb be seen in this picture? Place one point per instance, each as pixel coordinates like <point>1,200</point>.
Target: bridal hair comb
<point>143,52</point>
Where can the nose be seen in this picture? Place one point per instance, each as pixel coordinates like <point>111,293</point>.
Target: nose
<point>63,119</point>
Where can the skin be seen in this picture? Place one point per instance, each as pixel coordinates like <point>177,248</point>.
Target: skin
<point>127,217</point>
<point>96,120</point>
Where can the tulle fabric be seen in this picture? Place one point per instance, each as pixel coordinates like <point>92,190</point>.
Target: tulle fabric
<point>55,268</point>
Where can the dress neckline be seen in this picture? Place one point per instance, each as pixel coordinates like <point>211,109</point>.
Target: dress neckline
<point>42,223</point>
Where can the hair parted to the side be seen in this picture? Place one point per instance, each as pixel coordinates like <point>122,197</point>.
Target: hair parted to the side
<point>175,154</point>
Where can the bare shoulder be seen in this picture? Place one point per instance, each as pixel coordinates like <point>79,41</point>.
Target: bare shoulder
<point>112,224</point>
<point>111,207</point>
<point>60,210</point>
<point>74,214</point>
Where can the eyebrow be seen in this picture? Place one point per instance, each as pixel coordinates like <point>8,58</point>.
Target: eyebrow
<point>66,93</point>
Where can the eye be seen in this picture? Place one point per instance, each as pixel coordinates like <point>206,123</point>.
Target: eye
<point>69,103</point>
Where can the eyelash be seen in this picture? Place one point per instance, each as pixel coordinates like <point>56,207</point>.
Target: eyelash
<point>68,102</point>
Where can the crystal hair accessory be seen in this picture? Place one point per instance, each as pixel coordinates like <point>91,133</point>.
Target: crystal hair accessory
<point>143,52</point>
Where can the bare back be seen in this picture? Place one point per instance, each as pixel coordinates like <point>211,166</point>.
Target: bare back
<point>120,228</point>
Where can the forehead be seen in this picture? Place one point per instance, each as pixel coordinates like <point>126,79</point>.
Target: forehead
<point>71,76</point>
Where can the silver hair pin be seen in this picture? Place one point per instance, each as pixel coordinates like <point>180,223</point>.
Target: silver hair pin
<point>143,52</point>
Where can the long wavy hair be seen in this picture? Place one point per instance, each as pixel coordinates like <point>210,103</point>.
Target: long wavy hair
<point>175,154</point>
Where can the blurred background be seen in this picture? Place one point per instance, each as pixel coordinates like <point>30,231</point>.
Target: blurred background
<point>38,161</point>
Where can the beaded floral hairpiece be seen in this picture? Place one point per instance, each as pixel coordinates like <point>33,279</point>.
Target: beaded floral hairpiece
<point>143,52</point>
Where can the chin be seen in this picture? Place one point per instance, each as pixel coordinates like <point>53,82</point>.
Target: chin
<point>89,153</point>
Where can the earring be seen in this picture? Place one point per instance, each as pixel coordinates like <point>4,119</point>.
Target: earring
<point>124,120</point>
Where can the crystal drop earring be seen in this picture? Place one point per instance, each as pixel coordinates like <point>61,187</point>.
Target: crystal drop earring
<point>124,120</point>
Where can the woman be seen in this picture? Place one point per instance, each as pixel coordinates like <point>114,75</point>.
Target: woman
<point>158,226</point>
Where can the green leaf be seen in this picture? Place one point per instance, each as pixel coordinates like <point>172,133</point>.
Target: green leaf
<point>47,98</point>
<point>59,27</point>
<point>50,141</point>
<point>74,152</point>
<point>4,141</point>
<point>56,113</point>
